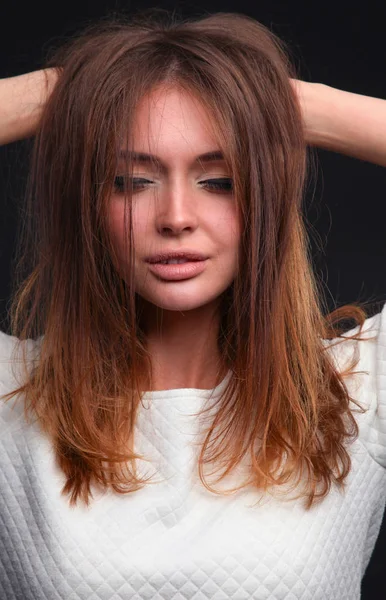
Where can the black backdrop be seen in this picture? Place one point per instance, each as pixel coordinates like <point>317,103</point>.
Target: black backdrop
<point>341,44</point>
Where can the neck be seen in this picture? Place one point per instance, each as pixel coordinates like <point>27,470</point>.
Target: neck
<point>183,346</point>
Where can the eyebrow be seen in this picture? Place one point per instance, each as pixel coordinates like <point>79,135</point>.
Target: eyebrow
<point>142,158</point>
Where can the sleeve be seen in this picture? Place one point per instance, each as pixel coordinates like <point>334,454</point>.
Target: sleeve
<point>369,386</point>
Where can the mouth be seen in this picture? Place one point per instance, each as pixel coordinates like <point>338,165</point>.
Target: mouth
<point>175,256</point>
<point>178,269</point>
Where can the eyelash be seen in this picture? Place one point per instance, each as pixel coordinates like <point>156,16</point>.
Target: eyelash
<point>224,184</point>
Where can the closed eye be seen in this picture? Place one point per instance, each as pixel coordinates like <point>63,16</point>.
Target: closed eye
<point>225,184</point>
<point>124,184</point>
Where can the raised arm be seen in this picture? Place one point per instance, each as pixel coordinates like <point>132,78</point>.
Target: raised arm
<point>21,101</point>
<point>343,122</point>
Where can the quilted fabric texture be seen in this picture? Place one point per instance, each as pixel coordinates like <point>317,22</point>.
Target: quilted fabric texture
<point>174,539</point>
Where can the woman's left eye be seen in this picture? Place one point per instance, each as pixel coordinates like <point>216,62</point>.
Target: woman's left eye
<point>224,184</point>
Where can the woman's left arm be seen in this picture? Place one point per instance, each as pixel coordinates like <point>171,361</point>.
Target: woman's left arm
<point>343,122</point>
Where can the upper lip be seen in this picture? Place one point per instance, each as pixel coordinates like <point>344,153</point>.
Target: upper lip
<point>188,254</point>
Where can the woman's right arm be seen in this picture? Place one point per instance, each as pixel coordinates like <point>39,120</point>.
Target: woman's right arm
<point>22,99</point>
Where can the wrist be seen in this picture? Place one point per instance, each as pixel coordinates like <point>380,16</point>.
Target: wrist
<point>318,107</point>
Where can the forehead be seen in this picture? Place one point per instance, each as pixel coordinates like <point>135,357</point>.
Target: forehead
<point>172,116</point>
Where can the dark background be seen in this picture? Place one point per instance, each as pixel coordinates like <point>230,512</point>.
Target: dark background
<point>341,44</point>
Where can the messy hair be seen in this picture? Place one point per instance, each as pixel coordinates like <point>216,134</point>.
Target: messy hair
<point>285,408</point>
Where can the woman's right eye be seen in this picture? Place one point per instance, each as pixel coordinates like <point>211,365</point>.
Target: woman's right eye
<point>129,184</point>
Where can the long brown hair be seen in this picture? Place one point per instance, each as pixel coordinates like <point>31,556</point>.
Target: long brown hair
<point>284,391</point>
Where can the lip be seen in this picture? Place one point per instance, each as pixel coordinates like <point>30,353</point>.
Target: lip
<point>178,272</point>
<point>187,254</point>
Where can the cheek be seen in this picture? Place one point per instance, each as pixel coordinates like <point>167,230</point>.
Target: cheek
<point>228,227</point>
<point>116,218</point>
<point>119,232</point>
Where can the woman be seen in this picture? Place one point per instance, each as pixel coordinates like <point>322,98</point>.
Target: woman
<point>163,141</point>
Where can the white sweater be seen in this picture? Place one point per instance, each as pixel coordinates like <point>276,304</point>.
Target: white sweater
<point>174,539</point>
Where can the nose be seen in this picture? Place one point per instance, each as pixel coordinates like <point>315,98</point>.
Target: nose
<point>176,209</point>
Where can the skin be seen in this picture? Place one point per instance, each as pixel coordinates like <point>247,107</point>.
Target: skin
<point>174,212</point>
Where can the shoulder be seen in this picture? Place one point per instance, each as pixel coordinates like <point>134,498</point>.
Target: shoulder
<point>13,351</point>
<point>367,384</point>
<point>341,350</point>
<point>16,361</point>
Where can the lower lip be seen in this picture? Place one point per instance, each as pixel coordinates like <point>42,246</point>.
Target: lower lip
<point>177,272</point>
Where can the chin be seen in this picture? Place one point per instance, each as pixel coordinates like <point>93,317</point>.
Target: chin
<point>178,306</point>
<point>182,302</point>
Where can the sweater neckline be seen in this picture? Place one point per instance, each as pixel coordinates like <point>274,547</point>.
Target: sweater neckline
<point>189,392</point>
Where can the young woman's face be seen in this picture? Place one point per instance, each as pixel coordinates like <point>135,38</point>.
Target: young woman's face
<point>178,205</point>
